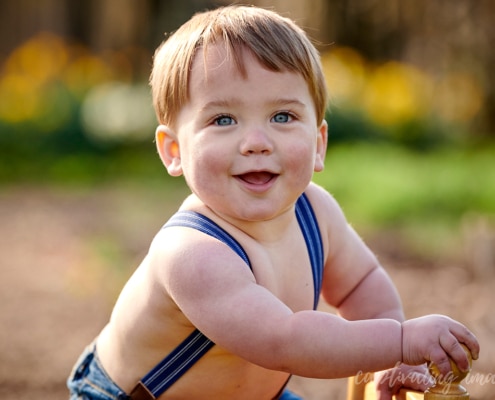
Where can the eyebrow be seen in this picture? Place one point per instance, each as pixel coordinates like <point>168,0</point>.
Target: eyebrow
<point>233,102</point>
<point>219,104</point>
<point>289,101</point>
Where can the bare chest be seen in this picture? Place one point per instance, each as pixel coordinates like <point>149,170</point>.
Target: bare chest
<point>285,270</point>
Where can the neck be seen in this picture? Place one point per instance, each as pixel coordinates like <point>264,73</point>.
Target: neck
<point>263,231</point>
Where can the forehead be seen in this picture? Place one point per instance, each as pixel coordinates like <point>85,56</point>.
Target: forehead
<point>214,58</point>
<point>218,63</point>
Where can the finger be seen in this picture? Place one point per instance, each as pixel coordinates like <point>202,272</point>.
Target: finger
<point>472,344</point>
<point>384,392</point>
<point>418,381</point>
<point>441,360</point>
<point>383,395</point>
<point>455,351</point>
<point>466,337</point>
<point>387,385</point>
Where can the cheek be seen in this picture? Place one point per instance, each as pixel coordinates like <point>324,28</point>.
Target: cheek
<point>300,157</point>
<point>205,163</point>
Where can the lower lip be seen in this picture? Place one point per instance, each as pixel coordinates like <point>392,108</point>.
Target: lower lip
<point>258,187</point>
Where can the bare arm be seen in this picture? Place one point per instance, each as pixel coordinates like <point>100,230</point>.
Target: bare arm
<point>375,296</point>
<point>354,282</point>
<point>217,292</point>
<point>357,285</point>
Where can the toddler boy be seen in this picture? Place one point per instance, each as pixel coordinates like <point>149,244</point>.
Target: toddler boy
<point>223,306</point>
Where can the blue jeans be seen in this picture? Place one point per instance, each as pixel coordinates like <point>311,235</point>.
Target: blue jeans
<point>89,381</point>
<point>288,395</point>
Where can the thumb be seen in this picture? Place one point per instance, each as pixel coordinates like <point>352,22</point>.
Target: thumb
<point>384,393</point>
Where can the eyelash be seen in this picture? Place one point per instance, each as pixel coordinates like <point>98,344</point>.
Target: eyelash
<point>222,116</point>
<point>290,115</point>
<point>216,120</point>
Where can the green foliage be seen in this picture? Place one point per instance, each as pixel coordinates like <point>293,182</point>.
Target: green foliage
<point>350,125</point>
<point>386,185</point>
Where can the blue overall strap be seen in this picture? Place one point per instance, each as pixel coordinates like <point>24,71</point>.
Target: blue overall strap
<point>309,227</point>
<point>192,219</point>
<point>172,367</point>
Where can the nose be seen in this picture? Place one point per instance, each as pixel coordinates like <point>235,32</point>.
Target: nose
<point>256,141</point>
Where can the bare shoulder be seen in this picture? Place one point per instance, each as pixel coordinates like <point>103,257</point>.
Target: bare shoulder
<point>331,219</point>
<point>188,260</point>
<point>329,214</point>
<point>347,258</point>
<point>198,272</point>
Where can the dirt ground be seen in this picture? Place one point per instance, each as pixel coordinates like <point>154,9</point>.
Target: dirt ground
<point>66,253</point>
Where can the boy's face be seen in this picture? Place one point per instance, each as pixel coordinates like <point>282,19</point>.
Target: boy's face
<point>247,146</point>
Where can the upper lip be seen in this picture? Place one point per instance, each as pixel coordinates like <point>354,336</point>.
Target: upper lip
<point>257,170</point>
<point>261,172</point>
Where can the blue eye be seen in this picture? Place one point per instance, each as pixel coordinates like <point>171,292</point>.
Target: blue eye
<point>282,117</point>
<point>224,120</point>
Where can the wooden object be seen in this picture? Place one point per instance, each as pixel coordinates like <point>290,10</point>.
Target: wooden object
<point>448,387</point>
<point>445,388</point>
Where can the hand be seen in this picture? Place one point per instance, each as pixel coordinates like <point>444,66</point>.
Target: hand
<point>437,338</point>
<point>388,383</point>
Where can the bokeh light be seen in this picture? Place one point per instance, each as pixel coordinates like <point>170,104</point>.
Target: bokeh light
<point>393,93</point>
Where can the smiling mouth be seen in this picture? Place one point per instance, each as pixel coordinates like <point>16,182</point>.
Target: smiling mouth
<point>257,178</point>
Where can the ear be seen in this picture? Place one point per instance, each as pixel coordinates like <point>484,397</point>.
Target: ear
<point>168,149</point>
<point>321,146</point>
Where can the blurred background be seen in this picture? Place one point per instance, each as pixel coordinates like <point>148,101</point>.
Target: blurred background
<point>411,160</point>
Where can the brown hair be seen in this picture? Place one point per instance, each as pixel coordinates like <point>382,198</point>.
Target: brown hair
<point>277,42</point>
